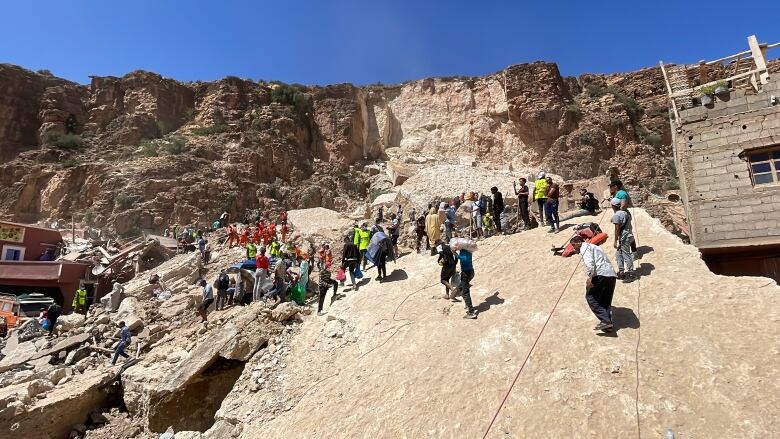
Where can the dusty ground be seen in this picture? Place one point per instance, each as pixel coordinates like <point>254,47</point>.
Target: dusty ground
<point>408,364</point>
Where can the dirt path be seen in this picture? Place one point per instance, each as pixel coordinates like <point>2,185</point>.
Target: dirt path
<point>707,358</point>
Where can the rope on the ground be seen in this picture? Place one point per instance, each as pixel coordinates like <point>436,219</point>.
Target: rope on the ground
<point>528,355</point>
<point>636,352</point>
<point>533,346</point>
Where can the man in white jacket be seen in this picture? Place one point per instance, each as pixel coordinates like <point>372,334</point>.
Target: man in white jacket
<point>600,285</point>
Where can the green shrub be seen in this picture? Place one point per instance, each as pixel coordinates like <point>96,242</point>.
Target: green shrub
<point>672,184</point>
<point>617,121</point>
<point>575,109</point>
<point>213,129</point>
<point>653,139</point>
<point>45,72</point>
<point>123,200</point>
<point>595,90</point>
<point>289,95</point>
<point>632,107</point>
<point>175,147</point>
<point>647,136</point>
<point>587,138</point>
<point>64,141</point>
<point>148,148</point>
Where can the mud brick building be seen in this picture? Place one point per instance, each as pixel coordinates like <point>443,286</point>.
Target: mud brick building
<point>726,134</point>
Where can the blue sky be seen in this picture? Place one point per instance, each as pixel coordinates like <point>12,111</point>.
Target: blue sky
<point>324,42</point>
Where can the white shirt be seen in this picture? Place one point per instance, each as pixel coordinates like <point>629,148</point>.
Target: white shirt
<point>596,261</point>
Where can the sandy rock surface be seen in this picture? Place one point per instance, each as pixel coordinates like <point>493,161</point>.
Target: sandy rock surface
<point>413,367</point>
<point>319,223</point>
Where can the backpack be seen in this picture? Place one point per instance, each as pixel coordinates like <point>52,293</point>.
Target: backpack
<point>224,281</point>
<point>482,203</point>
<point>54,310</point>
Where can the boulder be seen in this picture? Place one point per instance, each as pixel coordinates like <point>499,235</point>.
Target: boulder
<point>372,169</point>
<point>399,171</point>
<point>130,312</point>
<point>285,311</point>
<point>77,355</point>
<point>70,322</point>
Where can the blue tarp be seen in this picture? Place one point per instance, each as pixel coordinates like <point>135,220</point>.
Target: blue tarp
<point>378,239</point>
<point>249,264</point>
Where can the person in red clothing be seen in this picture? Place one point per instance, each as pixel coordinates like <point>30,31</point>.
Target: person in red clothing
<point>284,230</point>
<point>257,235</point>
<point>261,259</point>
<point>283,217</point>
<point>232,235</point>
<point>244,237</point>
<point>272,231</point>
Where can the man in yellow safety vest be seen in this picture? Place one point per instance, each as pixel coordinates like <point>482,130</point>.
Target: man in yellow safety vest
<point>80,301</point>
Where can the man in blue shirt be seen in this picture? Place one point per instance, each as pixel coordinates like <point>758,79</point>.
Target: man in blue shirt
<point>124,341</point>
<point>466,275</point>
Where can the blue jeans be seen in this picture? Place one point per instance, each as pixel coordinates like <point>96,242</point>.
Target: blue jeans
<point>120,350</point>
<point>623,255</point>
<point>551,211</point>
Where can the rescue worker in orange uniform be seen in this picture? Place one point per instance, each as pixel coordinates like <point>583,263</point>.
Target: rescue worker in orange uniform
<point>244,238</point>
<point>232,235</point>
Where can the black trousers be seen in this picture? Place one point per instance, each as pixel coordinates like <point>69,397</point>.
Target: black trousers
<point>497,219</point>
<point>324,287</point>
<point>522,204</point>
<point>420,236</point>
<point>599,297</point>
<point>381,264</point>
<point>465,288</point>
<point>362,258</point>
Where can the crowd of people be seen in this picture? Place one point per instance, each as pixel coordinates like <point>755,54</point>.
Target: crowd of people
<point>282,270</point>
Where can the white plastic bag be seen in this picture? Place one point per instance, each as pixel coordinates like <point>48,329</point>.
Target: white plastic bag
<point>463,244</point>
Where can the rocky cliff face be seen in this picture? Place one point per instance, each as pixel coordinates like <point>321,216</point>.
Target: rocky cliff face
<point>143,151</point>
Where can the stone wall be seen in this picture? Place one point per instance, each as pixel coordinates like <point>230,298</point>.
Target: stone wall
<point>724,207</point>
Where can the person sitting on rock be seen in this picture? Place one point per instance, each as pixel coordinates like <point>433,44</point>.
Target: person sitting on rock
<point>588,205</point>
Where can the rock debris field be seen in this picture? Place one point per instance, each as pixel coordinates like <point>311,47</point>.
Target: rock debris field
<point>397,360</point>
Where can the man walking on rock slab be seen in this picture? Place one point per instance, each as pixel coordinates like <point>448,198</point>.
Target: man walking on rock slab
<point>600,285</point>
<point>124,341</point>
<point>206,300</point>
<point>466,275</point>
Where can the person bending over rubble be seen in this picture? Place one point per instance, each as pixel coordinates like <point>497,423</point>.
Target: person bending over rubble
<point>600,285</point>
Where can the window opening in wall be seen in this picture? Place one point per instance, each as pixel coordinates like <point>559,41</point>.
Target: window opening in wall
<point>12,253</point>
<point>765,166</point>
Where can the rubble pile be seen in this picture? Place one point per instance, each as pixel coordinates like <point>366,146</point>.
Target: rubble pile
<point>175,360</point>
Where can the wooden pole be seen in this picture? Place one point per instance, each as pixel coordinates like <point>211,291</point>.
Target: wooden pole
<point>72,230</point>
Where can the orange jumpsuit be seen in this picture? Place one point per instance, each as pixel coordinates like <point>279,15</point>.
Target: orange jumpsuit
<point>232,235</point>
<point>283,229</point>
<point>272,231</point>
<point>257,236</point>
<point>244,237</point>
